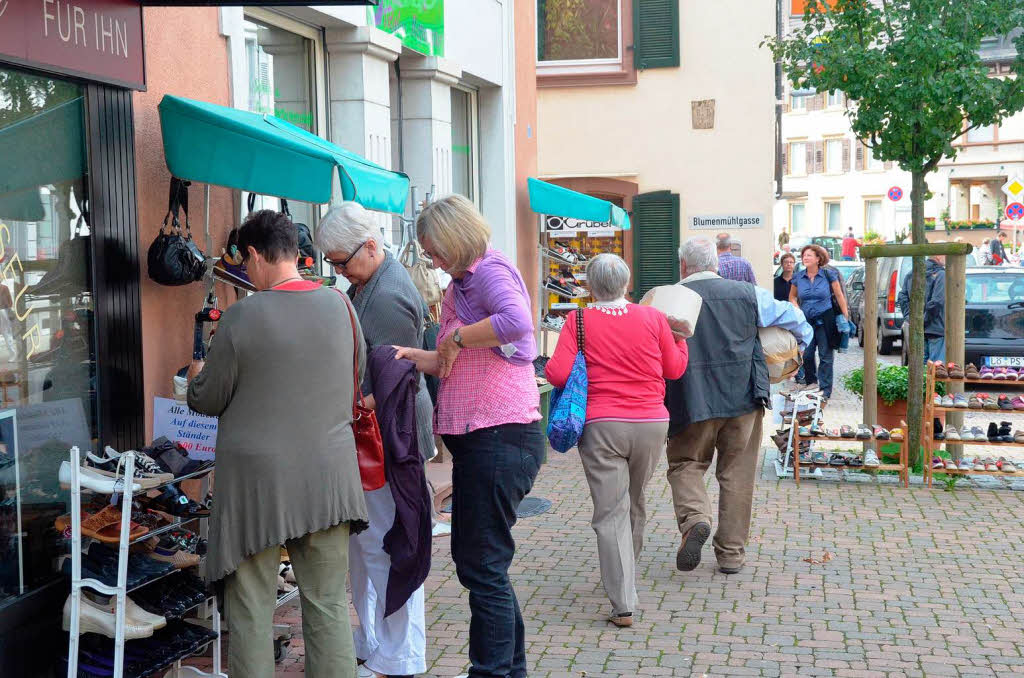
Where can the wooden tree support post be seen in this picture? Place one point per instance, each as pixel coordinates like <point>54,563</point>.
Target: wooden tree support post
<point>870,330</point>
<point>956,295</point>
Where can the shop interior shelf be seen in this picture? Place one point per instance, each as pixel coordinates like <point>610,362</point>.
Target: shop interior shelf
<point>567,296</point>
<point>154,579</point>
<point>165,528</point>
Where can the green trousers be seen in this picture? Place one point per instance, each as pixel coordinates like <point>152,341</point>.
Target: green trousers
<point>320,561</point>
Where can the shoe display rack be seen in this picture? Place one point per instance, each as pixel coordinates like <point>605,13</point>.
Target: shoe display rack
<point>931,444</point>
<point>123,486</point>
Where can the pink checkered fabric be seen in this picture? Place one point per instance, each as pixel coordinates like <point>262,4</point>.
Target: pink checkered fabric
<point>483,389</point>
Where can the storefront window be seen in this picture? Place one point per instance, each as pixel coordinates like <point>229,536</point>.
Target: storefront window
<point>280,75</point>
<point>464,162</point>
<point>47,348</point>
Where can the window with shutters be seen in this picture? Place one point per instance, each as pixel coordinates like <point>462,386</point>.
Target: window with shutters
<point>873,163</point>
<point>798,103</point>
<point>798,159</point>
<point>656,223</point>
<point>834,156</point>
<point>835,99</point>
<point>581,42</point>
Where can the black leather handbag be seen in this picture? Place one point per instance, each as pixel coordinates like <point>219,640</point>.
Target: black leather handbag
<point>174,258</point>
<point>307,251</point>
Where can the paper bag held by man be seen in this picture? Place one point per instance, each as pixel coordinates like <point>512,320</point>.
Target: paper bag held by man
<point>680,305</point>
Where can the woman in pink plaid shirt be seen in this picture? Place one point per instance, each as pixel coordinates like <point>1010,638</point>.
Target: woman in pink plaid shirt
<point>488,413</point>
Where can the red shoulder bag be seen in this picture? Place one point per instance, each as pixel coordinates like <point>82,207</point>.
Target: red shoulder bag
<point>365,428</point>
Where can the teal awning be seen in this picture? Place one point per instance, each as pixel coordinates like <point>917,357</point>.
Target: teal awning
<point>53,140</point>
<point>262,154</point>
<point>554,200</point>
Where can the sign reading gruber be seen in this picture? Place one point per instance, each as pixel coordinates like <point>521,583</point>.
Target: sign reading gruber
<point>712,221</point>
<point>419,24</point>
<point>195,432</point>
<point>96,39</point>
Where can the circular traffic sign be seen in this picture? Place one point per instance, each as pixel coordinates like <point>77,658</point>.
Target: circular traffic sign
<point>1015,211</point>
<point>895,194</point>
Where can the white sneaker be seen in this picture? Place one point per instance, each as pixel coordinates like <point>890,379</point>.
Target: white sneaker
<point>871,458</point>
<point>96,618</point>
<point>137,614</point>
<point>441,530</point>
<point>364,672</point>
<point>91,480</point>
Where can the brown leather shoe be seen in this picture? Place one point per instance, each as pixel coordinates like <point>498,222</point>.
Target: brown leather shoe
<point>622,620</point>
<point>688,555</point>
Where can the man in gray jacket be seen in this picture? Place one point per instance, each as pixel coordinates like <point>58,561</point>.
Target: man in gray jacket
<point>718,404</point>
<point>934,307</point>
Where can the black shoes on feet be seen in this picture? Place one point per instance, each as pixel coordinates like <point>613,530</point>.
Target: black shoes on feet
<point>688,555</point>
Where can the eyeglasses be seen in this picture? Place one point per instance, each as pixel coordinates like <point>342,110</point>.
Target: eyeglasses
<point>343,264</point>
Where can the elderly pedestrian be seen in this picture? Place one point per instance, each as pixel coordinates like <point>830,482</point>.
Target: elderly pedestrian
<point>286,459</point>
<point>630,352</point>
<point>813,290</point>
<point>729,265</point>
<point>487,413</point>
<point>934,307</point>
<point>390,311</point>
<point>718,405</point>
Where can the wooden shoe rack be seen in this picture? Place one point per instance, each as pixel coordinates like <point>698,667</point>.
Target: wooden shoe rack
<point>903,467</point>
<point>931,445</point>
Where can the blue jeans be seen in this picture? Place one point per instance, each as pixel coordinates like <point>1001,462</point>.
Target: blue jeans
<point>934,348</point>
<point>821,372</point>
<point>493,469</point>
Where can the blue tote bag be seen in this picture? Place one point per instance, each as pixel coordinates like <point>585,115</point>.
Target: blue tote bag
<point>569,405</point>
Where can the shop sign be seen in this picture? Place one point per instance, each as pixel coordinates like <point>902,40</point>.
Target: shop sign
<point>714,221</point>
<point>196,432</point>
<point>419,24</point>
<point>573,227</point>
<point>94,39</point>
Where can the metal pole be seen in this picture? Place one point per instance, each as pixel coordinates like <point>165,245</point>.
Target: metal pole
<point>870,330</point>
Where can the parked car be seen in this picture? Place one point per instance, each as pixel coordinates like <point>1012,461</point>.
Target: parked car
<point>891,272</point>
<point>854,292</point>
<point>994,322</point>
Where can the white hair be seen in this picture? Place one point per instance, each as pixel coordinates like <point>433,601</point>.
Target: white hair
<point>608,276</point>
<point>699,254</point>
<point>345,227</point>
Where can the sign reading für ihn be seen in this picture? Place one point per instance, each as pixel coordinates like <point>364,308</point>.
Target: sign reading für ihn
<point>1015,211</point>
<point>895,194</point>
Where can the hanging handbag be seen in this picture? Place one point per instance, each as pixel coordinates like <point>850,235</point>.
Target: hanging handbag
<point>568,410</point>
<point>307,251</point>
<point>423,276</point>
<point>365,429</point>
<point>174,258</point>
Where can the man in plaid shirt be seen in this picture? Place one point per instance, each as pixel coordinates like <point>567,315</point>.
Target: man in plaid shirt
<point>731,266</point>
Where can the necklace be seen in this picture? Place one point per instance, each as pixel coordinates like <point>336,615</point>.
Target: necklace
<point>281,282</point>
<point>615,307</point>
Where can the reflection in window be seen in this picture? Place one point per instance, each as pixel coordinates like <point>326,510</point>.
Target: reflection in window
<point>994,288</point>
<point>48,398</point>
<point>578,30</point>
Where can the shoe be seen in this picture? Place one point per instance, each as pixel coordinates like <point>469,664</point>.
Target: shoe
<point>960,401</point>
<point>979,465</point>
<point>937,462</point>
<point>837,460</point>
<point>832,433</point>
<point>179,559</point>
<point>173,501</point>
<point>1005,432</point>
<point>622,620</point>
<point>143,463</point>
<point>863,432</point>
<point>1012,374</point>
<point>975,402</point>
<point>937,400</point>
<point>553,322</point>
<point>954,371</point>
<point>729,569</point>
<point>846,431</point>
<point>896,434</point>
<point>947,401</point>
<point>880,433</point>
<point>978,435</point>
<point>819,458</point>
<point>950,465</point>
<point>1005,403</point>
<point>871,458</point>
<point>964,465</point>
<point>1018,436</point>
<point>971,372</point>
<point>952,434</point>
<point>1018,403</point>
<point>990,403</point>
<point>441,529</point>
<point>363,672</point>
<point>817,431</point>
<point>805,458</point>
<point>986,373</point>
<point>855,462</point>
<point>1005,465</point>
<point>805,431</point>
<point>173,458</point>
<point>94,617</point>
<point>940,370</point>
<point>91,480</point>
<point>111,469</point>
<point>688,555</point>
<point>993,432</point>
<point>990,465</point>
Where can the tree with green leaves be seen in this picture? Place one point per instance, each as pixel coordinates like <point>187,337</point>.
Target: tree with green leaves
<point>913,72</point>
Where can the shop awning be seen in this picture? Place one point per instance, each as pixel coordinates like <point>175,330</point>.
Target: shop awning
<point>555,200</point>
<point>262,154</point>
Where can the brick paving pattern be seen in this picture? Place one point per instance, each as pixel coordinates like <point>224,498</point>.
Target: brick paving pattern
<point>920,583</point>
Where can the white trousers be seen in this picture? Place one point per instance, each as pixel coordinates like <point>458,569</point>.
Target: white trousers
<point>397,644</point>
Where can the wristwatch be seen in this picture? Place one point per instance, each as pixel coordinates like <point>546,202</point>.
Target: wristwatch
<point>457,338</point>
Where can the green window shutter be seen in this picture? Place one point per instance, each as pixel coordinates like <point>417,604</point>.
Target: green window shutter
<point>655,33</point>
<point>655,241</point>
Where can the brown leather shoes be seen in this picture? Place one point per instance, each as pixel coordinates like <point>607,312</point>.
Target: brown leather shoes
<point>688,555</point>
<point>622,620</point>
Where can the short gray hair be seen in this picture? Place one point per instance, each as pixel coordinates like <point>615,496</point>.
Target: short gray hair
<point>608,276</point>
<point>345,227</point>
<point>699,255</point>
<point>724,242</point>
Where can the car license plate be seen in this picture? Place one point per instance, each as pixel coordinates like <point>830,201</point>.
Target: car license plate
<point>1004,361</point>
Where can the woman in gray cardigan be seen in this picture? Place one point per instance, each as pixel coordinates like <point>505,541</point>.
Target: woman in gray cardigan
<point>390,312</point>
<point>280,376</point>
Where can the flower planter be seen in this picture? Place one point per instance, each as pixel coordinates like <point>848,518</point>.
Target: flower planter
<point>893,416</point>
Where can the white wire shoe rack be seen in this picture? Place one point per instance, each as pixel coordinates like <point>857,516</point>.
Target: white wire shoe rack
<point>120,592</point>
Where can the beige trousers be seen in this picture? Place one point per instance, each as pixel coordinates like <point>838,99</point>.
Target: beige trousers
<point>738,441</point>
<point>320,561</point>
<point>619,459</point>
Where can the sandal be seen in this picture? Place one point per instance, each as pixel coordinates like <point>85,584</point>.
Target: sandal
<point>954,371</point>
<point>104,526</point>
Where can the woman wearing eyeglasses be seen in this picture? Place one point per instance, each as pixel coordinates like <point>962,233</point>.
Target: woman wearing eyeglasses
<point>390,311</point>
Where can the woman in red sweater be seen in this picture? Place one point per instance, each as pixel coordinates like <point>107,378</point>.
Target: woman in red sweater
<point>630,352</point>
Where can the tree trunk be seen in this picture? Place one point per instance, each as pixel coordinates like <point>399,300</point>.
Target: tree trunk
<point>915,389</point>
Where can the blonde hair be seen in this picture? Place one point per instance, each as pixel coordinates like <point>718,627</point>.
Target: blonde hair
<point>456,230</point>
